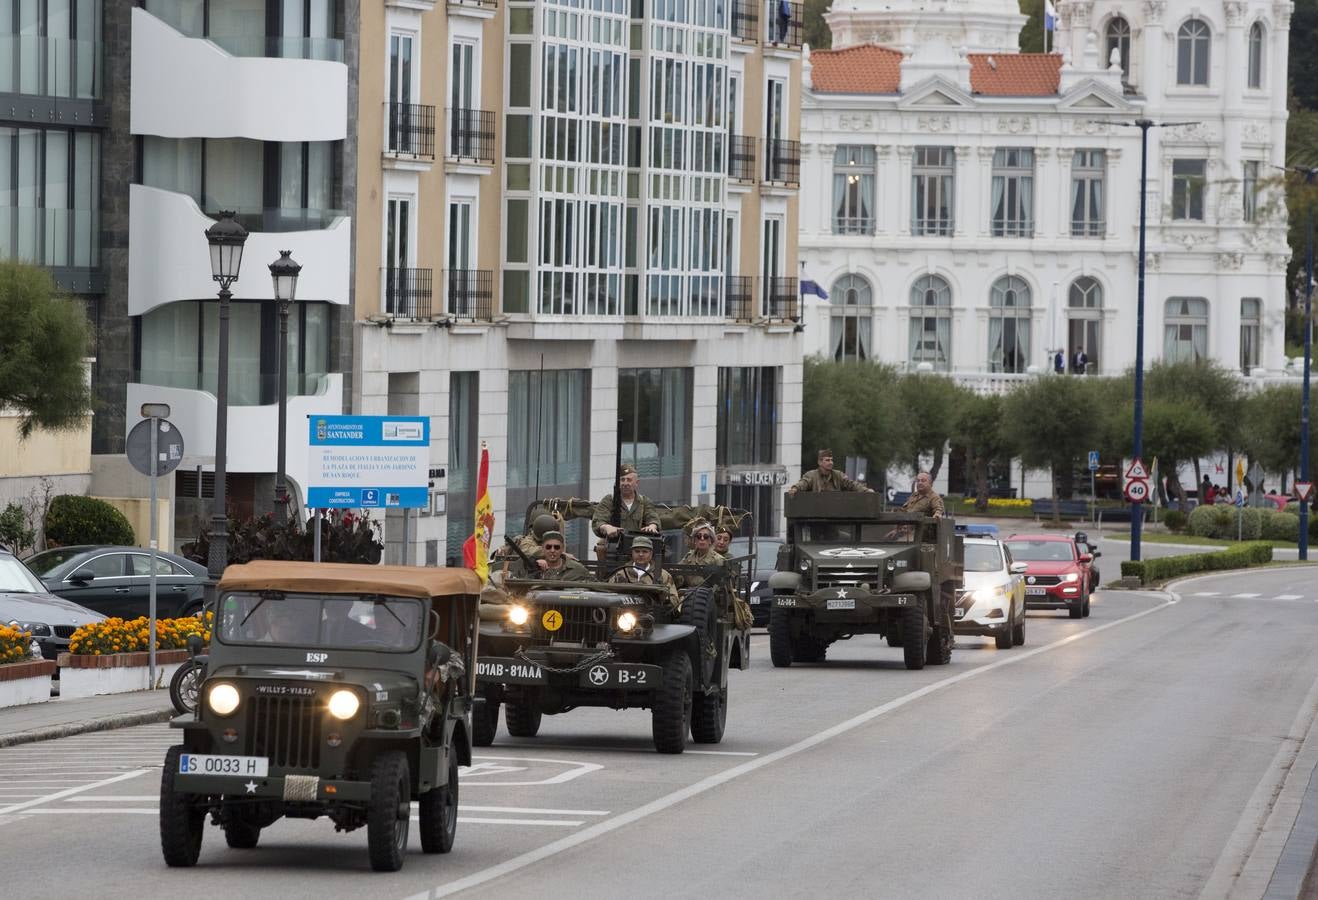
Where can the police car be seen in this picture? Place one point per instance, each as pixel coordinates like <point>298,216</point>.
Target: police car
<point>992,600</point>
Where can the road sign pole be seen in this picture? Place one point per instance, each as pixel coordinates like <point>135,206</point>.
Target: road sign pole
<point>315,543</point>
<point>1093,499</point>
<point>407,538</point>
<point>151,602</point>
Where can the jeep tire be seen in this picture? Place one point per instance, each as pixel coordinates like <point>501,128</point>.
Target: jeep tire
<point>522,719</point>
<point>240,835</point>
<point>484,721</point>
<point>389,811</point>
<point>780,638</point>
<point>670,715</point>
<point>182,821</point>
<point>914,641</point>
<point>439,811</point>
<point>700,612</point>
<point>709,716</point>
<point>938,652</point>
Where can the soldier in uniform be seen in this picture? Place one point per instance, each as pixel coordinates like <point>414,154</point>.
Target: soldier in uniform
<point>826,478</point>
<point>556,564</point>
<point>723,540</point>
<point>638,513</point>
<point>642,571</point>
<point>702,554</point>
<point>924,500</point>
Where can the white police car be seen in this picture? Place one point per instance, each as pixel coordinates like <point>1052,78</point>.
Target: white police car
<point>992,601</point>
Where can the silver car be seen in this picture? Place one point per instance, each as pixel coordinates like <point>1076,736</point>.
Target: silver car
<point>25,602</point>
<point>992,602</point>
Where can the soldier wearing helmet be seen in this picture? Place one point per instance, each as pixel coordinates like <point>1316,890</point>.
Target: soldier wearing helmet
<point>641,570</point>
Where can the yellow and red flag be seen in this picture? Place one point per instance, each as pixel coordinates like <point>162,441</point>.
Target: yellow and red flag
<point>476,549</point>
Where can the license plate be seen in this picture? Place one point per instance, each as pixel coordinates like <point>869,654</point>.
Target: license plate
<point>755,601</point>
<point>618,675</point>
<point>211,764</point>
<point>960,613</point>
<point>1036,591</point>
<point>848,603</point>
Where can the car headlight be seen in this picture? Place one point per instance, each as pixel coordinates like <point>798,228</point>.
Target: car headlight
<point>344,704</point>
<point>1070,576</point>
<point>755,586</point>
<point>627,621</point>
<point>223,699</point>
<point>518,615</point>
<point>36,629</point>
<point>983,595</point>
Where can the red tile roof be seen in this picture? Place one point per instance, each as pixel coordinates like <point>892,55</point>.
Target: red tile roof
<point>864,69</point>
<point>1014,74</point>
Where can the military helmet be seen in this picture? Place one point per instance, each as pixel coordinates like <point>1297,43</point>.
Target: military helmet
<point>543,523</point>
<point>643,542</point>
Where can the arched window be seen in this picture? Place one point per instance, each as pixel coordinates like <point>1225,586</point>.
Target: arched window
<point>850,318</point>
<point>1009,325</point>
<point>1192,43</point>
<point>931,323</point>
<point>1256,55</point>
<point>1185,330</point>
<point>1117,36</point>
<point>1084,325</point>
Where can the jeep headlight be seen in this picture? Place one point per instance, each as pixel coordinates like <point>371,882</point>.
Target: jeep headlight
<point>518,615</point>
<point>344,704</point>
<point>223,699</point>
<point>1070,576</point>
<point>627,621</point>
<point>805,566</point>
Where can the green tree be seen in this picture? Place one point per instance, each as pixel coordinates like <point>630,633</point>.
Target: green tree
<point>1032,30</point>
<point>1049,423</point>
<point>1210,391</point>
<point>44,339</point>
<point>1303,60</point>
<point>978,427</point>
<point>930,404</point>
<point>1270,429</point>
<point>853,409</point>
<point>816,32</point>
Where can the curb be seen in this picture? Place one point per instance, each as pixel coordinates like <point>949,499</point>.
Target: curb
<point>107,723</point>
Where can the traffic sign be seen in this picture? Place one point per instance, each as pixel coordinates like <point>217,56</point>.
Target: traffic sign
<point>169,447</point>
<point>1304,490</point>
<point>1137,470</point>
<point>1093,460</point>
<point>1137,490</point>
<point>1240,470</point>
<point>1240,498</point>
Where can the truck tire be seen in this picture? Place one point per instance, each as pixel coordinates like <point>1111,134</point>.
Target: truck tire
<point>389,811</point>
<point>522,719</point>
<point>709,715</point>
<point>439,811</point>
<point>780,638</point>
<point>914,642</point>
<point>938,652</point>
<point>484,721</point>
<point>699,611</point>
<point>240,835</point>
<point>670,717</point>
<point>182,821</point>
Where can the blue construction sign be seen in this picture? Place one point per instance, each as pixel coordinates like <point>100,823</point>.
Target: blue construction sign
<point>368,461</point>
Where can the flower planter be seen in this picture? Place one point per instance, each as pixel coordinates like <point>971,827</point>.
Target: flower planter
<point>115,673</point>
<point>26,682</point>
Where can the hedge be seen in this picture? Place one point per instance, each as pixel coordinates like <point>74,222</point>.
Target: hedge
<point>1256,524</point>
<point>85,520</point>
<point>1161,568</point>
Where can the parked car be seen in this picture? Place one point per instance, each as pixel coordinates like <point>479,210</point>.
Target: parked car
<point>1058,572</point>
<point>25,602</point>
<point>992,602</point>
<point>115,581</point>
<point>766,559</point>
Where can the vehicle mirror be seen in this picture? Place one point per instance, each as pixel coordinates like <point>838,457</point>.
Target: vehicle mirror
<point>82,576</point>
<point>1018,568</point>
<point>195,644</point>
<point>439,654</point>
<point>434,624</point>
<point>1086,557</point>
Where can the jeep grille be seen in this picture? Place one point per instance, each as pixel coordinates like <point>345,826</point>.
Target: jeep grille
<point>832,578</point>
<point>584,625</point>
<point>285,729</point>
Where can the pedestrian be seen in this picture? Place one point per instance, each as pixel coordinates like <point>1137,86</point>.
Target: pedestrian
<point>1206,490</point>
<point>784,20</point>
<point>1079,361</point>
<point>924,500</point>
<point>1059,362</point>
<point>826,478</point>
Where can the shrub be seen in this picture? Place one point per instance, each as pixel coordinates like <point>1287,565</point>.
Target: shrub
<point>85,520</point>
<point>1280,526</point>
<point>1009,503</point>
<point>1175,520</point>
<point>1212,521</point>
<point>14,531</point>
<point>1161,568</point>
<point>345,537</point>
<point>133,636</point>
<point>15,645</point>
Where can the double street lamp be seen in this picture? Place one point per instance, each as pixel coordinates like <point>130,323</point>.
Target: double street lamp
<point>283,272</point>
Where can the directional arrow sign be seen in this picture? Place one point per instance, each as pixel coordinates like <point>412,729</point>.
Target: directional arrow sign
<point>1304,490</point>
<point>1137,470</point>
<point>1137,490</point>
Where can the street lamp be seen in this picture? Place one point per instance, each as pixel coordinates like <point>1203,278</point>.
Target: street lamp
<point>226,238</point>
<point>1309,177</point>
<point>283,272</point>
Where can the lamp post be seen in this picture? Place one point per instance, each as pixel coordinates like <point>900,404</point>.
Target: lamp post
<point>226,238</point>
<point>1309,177</point>
<point>283,272</point>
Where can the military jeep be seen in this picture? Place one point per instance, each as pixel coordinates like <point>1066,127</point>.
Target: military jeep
<point>848,568</point>
<point>331,690</point>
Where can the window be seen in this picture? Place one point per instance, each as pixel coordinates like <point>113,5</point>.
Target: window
<point>52,48</point>
<point>747,429</point>
<point>1192,44</point>
<point>1084,326</point>
<point>548,421</point>
<point>1256,55</point>
<point>849,319</point>
<point>1009,325</point>
<point>1088,170</point>
<point>1013,192</point>
<point>1185,332</point>
<point>1251,320</point>
<point>1117,36</point>
<point>933,181</point>
<point>49,196</point>
<point>1249,190</point>
<point>853,190</point>
<point>931,323</point>
<point>1188,189</point>
<point>654,408</point>
<point>463,409</point>
<point>110,565</point>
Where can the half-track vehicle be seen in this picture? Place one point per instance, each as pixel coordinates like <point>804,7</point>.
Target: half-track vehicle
<point>331,690</point>
<point>848,568</point>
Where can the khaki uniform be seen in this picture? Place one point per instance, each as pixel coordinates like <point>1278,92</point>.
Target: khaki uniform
<point>628,575</point>
<point>570,570</point>
<point>642,513</point>
<point>929,504</point>
<point>695,558</point>
<point>815,480</point>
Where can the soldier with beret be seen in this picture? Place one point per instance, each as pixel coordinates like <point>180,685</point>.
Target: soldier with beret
<point>826,478</point>
<point>642,570</point>
<point>638,512</point>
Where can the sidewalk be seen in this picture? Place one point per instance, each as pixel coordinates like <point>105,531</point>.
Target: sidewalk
<point>61,718</point>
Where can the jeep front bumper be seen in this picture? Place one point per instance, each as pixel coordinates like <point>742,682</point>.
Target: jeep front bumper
<point>844,603</point>
<point>602,675</point>
<point>290,788</point>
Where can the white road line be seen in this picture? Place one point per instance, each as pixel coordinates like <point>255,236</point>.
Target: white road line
<point>1207,594</point>
<point>722,752</point>
<point>1289,597</point>
<point>60,795</point>
<point>136,811</point>
<point>600,829</point>
<point>552,823</point>
<point>462,807</point>
<point>111,798</point>
<point>99,811</point>
<point>1244,596</point>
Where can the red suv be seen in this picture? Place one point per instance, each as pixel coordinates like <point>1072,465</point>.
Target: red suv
<point>1058,574</point>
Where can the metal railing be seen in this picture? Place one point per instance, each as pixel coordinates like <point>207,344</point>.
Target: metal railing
<point>782,162</point>
<point>741,297</point>
<point>741,158</point>
<point>853,224</point>
<point>407,293</point>
<point>1088,228</point>
<point>471,135</point>
<point>411,129</point>
<point>782,297</point>
<point>478,4</point>
<point>470,293</point>
<point>785,31</point>
<point>746,20</point>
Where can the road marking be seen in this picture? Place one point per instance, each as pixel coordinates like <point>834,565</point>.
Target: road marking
<point>142,811</point>
<point>111,798</point>
<point>103,811</point>
<point>60,795</point>
<point>599,829</point>
<point>722,752</point>
<point>1207,594</point>
<point>1289,597</point>
<point>552,823</point>
<point>1244,596</point>
<point>533,810</point>
<point>579,769</point>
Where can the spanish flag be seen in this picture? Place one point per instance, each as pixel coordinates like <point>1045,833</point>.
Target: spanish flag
<point>476,549</point>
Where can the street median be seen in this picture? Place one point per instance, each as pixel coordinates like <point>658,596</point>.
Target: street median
<point>1148,571</point>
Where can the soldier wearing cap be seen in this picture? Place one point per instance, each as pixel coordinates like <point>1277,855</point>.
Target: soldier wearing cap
<point>702,554</point>
<point>638,513</point>
<point>642,571</point>
<point>826,478</point>
<point>555,563</point>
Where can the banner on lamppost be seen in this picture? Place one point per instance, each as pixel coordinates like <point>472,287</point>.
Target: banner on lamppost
<point>368,462</point>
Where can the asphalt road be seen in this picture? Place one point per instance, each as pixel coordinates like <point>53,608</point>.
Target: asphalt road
<point>1136,753</point>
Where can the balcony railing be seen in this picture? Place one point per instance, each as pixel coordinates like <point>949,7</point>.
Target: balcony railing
<point>741,158</point>
<point>746,19</point>
<point>1088,228</point>
<point>50,66</point>
<point>407,293</point>
<point>782,162</point>
<point>278,219</point>
<point>781,298</point>
<point>411,129</point>
<point>783,30</point>
<point>477,4</point>
<point>470,293</point>
<point>741,297</point>
<point>853,224</point>
<point>49,236</point>
<point>471,135</point>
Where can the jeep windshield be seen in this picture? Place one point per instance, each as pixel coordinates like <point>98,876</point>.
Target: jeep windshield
<point>322,621</point>
<point>855,533</point>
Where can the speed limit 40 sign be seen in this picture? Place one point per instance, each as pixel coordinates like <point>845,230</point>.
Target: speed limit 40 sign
<point>1137,490</point>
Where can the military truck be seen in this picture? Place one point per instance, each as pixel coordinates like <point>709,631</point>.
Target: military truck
<point>849,568</point>
<point>331,690</point>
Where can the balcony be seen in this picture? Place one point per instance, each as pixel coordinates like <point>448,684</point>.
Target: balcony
<point>782,163</point>
<point>407,293</point>
<point>471,136</point>
<point>470,294</point>
<point>782,297</point>
<point>741,298</point>
<point>479,9</point>
<point>780,30</point>
<point>746,20</point>
<point>741,158</point>
<point>410,130</point>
